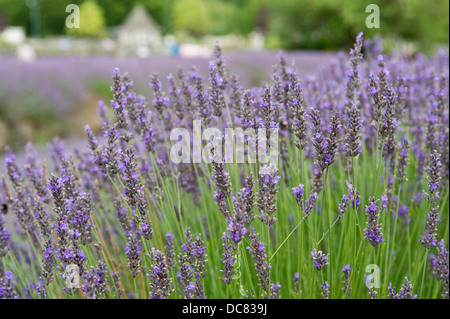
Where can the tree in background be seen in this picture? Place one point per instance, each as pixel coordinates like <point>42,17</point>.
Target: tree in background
<point>191,16</point>
<point>331,24</point>
<point>92,20</point>
<point>290,24</point>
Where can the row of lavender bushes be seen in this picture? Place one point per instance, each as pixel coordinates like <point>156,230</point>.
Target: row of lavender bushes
<point>49,94</point>
<point>361,184</point>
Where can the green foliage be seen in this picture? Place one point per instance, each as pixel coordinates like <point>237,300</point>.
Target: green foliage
<point>325,24</point>
<point>191,16</point>
<point>329,24</point>
<point>92,21</point>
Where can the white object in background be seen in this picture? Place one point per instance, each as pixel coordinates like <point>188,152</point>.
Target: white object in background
<point>108,45</point>
<point>256,40</point>
<point>143,52</point>
<point>26,53</point>
<point>14,35</point>
<point>188,50</point>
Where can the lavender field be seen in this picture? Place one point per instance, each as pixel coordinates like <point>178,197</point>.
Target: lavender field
<point>56,95</point>
<point>352,202</point>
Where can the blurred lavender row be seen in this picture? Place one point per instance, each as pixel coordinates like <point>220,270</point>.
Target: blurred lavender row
<point>56,95</point>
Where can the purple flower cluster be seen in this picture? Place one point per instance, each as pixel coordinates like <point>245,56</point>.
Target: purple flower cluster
<point>258,251</point>
<point>442,267</point>
<point>403,161</point>
<point>325,290</point>
<point>343,205</point>
<point>7,287</point>
<point>406,291</point>
<point>118,197</point>
<point>160,282</point>
<point>192,261</point>
<point>355,199</point>
<point>4,236</point>
<point>227,260</point>
<point>319,258</point>
<point>346,285</point>
<point>268,179</point>
<point>134,252</point>
<point>373,230</point>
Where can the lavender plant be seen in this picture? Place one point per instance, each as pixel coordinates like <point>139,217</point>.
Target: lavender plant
<point>139,225</point>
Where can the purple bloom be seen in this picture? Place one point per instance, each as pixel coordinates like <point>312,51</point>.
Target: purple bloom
<point>352,140</point>
<point>355,199</point>
<point>373,230</point>
<point>7,287</point>
<point>275,291</point>
<point>298,193</point>
<point>268,179</point>
<point>227,260</point>
<point>319,258</point>
<point>309,204</point>
<point>403,161</point>
<point>217,99</point>
<point>346,287</point>
<point>296,281</point>
<point>343,206</point>
<point>170,255</point>
<point>4,237</point>
<point>160,283</point>
<point>406,291</point>
<point>325,290</point>
<point>257,250</point>
<point>428,240</point>
<point>134,252</point>
<point>160,102</point>
<point>442,267</point>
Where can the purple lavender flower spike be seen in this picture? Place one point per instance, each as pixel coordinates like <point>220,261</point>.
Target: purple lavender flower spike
<point>298,193</point>
<point>325,290</point>
<point>236,224</point>
<point>160,102</point>
<point>4,237</point>
<point>257,250</point>
<point>346,287</point>
<point>352,193</point>
<point>434,174</point>
<point>428,240</point>
<point>268,179</point>
<point>320,260</point>
<point>48,262</point>
<point>134,252</point>
<point>403,161</point>
<point>217,98</point>
<point>7,287</point>
<point>406,291</point>
<point>352,75</point>
<point>219,62</point>
<point>352,140</point>
<point>309,204</point>
<point>442,267</point>
<point>227,260</point>
<point>373,230</point>
<point>343,206</point>
<point>170,254</point>
<point>275,291</point>
<point>160,282</point>
<point>296,282</point>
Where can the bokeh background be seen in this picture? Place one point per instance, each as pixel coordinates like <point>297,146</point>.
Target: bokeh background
<point>52,77</point>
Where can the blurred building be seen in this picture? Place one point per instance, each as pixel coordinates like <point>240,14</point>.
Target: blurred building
<point>139,34</point>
